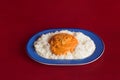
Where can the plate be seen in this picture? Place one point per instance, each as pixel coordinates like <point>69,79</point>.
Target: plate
<point>97,53</point>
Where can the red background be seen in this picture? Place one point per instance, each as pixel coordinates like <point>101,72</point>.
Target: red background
<point>21,19</point>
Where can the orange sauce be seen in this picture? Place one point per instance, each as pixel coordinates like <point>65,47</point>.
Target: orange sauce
<point>62,43</point>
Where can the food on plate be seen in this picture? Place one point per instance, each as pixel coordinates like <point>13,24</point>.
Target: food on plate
<point>64,44</point>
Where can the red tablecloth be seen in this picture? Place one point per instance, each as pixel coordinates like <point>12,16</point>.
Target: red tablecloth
<point>21,19</point>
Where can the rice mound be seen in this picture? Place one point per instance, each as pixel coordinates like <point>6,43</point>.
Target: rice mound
<point>84,49</point>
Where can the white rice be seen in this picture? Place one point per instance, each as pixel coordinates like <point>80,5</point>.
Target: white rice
<point>84,49</point>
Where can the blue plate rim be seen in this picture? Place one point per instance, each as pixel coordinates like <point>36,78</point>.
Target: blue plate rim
<point>63,64</point>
